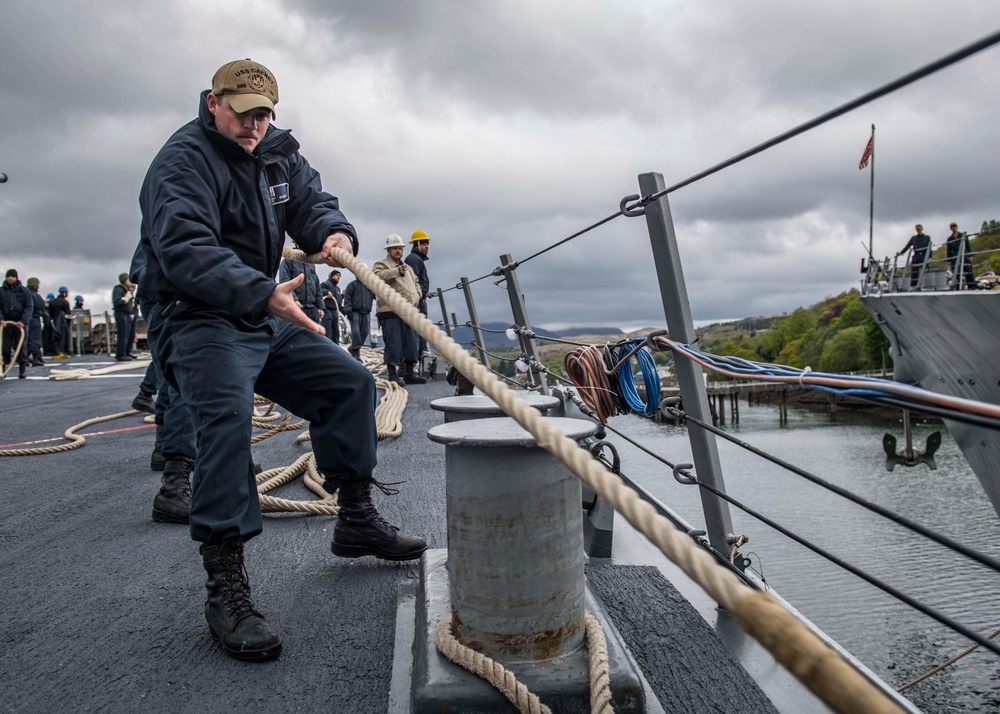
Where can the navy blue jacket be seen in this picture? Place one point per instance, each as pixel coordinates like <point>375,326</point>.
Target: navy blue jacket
<point>920,243</point>
<point>416,261</point>
<point>328,286</point>
<point>37,305</point>
<point>15,302</point>
<point>211,234</point>
<point>308,293</point>
<point>120,304</point>
<point>358,298</point>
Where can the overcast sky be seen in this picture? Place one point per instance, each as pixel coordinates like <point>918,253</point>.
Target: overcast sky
<point>503,127</point>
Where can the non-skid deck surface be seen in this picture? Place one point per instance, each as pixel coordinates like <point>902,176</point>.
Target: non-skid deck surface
<point>103,608</point>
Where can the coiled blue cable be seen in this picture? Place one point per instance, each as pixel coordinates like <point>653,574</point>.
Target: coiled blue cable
<point>650,378</point>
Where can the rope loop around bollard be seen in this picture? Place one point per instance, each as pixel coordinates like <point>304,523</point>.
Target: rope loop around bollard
<point>506,683</point>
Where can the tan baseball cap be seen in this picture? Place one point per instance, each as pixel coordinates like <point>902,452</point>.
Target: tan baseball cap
<point>248,84</point>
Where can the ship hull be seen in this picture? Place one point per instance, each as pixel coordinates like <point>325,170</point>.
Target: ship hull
<point>949,342</point>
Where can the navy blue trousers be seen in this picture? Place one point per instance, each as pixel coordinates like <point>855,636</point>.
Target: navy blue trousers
<point>171,411</point>
<point>400,341</point>
<point>217,362</point>
<point>151,380</point>
<point>122,330</point>
<point>360,327</point>
<point>33,344</point>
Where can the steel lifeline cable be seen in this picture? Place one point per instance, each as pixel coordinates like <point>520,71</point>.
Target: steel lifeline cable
<point>799,650</point>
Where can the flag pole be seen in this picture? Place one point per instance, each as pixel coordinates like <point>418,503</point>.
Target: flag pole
<point>871,198</point>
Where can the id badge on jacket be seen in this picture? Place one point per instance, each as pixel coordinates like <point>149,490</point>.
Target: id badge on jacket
<point>279,193</point>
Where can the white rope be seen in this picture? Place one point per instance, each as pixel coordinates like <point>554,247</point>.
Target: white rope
<point>827,675</point>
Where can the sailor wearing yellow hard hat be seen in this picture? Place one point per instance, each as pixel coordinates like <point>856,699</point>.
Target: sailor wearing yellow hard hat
<point>420,246</point>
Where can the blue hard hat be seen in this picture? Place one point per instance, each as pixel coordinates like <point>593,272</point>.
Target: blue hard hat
<point>78,297</point>
<point>64,289</point>
<point>50,296</point>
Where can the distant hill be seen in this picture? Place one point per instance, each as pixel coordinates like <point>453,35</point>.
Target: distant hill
<point>493,333</point>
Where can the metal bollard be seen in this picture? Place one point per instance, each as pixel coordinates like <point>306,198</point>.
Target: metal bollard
<point>478,406</point>
<point>515,540</point>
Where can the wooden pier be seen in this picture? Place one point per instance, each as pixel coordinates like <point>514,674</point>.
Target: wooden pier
<point>724,399</point>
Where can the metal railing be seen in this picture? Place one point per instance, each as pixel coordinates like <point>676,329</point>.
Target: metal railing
<point>885,276</point>
<point>966,270</point>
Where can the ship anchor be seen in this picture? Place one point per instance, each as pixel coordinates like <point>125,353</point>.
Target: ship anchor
<point>909,456</point>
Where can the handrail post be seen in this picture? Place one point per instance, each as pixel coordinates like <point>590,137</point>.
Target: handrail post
<point>444,313</point>
<point>107,333</point>
<point>474,319</point>
<point>677,310</point>
<point>521,318</point>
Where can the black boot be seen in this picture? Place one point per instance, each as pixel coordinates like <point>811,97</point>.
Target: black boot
<point>232,618</point>
<point>410,376</point>
<point>356,354</point>
<point>394,376</point>
<point>20,371</point>
<point>173,503</point>
<point>144,403</point>
<point>156,460</point>
<point>360,530</point>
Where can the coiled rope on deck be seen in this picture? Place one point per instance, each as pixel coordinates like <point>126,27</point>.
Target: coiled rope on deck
<point>817,666</point>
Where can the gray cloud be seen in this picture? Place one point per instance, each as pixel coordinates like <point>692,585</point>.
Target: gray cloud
<point>505,127</point>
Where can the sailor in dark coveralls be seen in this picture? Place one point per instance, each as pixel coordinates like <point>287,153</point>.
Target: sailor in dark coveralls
<point>216,204</point>
<point>34,344</point>
<point>920,243</point>
<point>16,307</point>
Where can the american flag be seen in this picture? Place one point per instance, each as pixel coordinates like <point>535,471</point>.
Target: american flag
<point>869,150</point>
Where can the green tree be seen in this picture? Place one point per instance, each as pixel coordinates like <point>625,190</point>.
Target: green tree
<point>846,351</point>
<point>877,345</point>
<point>788,328</point>
<point>854,314</point>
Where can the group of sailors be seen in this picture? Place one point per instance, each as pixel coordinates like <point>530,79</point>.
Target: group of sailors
<point>958,250</point>
<point>40,325</point>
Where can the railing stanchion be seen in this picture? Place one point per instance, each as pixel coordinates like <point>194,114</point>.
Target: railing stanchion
<point>474,319</point>
<point>521,318</point>
<point>444,313</point>
<point>690,379</point>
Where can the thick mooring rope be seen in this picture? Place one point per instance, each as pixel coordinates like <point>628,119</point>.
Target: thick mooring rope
<point>505,681</point>
<point>75,440</point>
<point>16,352</point>
<point>816,665</point>
<point>81,373</point>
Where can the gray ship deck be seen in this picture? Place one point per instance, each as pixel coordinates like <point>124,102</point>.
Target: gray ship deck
<point>103,607</point>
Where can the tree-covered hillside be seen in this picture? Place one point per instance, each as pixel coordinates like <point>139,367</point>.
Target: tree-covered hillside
<point>834,335</point>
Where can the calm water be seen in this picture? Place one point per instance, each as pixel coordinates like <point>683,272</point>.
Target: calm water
<point>896,642</point>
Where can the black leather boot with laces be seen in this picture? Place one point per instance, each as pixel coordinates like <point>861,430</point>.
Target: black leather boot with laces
<point>173,503</point>
<point>360,529</point>
<point>229,610</point>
